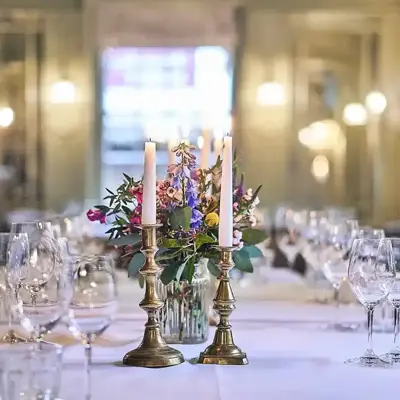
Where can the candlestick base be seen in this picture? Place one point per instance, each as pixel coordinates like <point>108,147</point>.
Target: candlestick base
<point>223,350</point>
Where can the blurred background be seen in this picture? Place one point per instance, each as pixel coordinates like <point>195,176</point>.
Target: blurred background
<point>310,90</point>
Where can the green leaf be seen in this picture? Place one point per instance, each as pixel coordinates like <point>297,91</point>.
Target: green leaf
<point>254,251</point>
<point>212,266</point>
<point>170,243</point>
<point>168,274</point>
<point>181,218</point>
<point>189,270</point>
<point>202,238</point>
<point>167,255</point>
<point>255,194</point>
<point>242,261</point>
<point>181,269</point>
<point>103,209</point>
<point>126,210</point>
<point>135,264</point>
<point>253,236</point>
<point>126,240</point>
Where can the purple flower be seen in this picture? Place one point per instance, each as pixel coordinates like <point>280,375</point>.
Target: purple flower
<point>196,219</point>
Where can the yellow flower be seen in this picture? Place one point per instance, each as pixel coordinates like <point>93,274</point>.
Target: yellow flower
<point>212,219</point>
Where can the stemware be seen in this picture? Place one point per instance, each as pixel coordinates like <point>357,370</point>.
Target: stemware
<point>334,258</point>
<point>93,304</point>
<point>371,275</point>
<point>6,295</point>
<point>38,277</point>
<point>26,374</point>
<point>394,299</point>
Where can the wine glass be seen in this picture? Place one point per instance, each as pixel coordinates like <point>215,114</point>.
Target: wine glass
<point>37,279</point>
<point>6,293</point>
<point>371,275</point>
<point>93,305</point>
<point>334,257</point>
<point>394,299</point>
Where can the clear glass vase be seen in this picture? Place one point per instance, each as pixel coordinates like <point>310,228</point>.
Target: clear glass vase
<point>184,316</point>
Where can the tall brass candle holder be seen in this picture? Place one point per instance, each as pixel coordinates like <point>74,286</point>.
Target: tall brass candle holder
<point>223,350</point>
<point>153,352</point>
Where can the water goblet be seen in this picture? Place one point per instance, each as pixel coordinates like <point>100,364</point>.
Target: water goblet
<point>93,305</point>
<point>371,275</point>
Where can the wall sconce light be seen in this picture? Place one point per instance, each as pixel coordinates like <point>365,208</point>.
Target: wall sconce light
<point>63,92</point>
<point>355,114</point>
<point>376,103</point>
<point>271,94</point>
<point>320,168</point>
<point>6,117</point>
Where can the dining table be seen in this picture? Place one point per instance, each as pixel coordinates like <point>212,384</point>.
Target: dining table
<point>291,353</point>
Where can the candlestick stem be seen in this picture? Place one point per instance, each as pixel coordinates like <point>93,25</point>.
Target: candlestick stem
<point>223,350</point>
<point>153,352</point>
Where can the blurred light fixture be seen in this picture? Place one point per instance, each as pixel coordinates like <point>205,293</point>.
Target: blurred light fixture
<point>271,94</point>
<point>6,117</point>
<point>355,114</point>
<point>321,135</point>
<point>376,102</point>
<point>63,92</point>
<point>320,168</point>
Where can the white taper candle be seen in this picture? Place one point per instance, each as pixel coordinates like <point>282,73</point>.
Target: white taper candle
<point>225,233</point>
<point>149,209</point>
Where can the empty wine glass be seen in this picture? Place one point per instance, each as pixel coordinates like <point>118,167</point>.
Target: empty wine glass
<point>6,294</point>
<point>335,257</point>
<point>93,305</point>
<point>394,299</point>
<point>371,276</point>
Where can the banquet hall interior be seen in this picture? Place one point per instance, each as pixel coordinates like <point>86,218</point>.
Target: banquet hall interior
<point>309,93</point>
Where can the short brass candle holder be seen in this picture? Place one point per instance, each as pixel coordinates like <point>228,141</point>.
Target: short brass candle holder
<point>153,352</point>
<point>223,350</point>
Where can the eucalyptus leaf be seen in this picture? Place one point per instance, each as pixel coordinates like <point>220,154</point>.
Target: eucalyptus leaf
<point>242,261</point>
<point>252,236</point>
<point>212,266</point>
<point>168,274</point>
<point>181,218</point>
<point>253,251</point>
<point>135,264</point>
<point>126,240</point>
<point>202,238</point>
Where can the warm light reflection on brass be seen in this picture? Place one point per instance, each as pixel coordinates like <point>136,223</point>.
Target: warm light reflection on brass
<point>153,352</point>
<point>223,350</point>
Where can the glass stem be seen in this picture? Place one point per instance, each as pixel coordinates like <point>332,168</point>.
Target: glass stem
<point>336,303</point>
<point>88,364</point>
<point>396,326</point>
<point>370,325</point>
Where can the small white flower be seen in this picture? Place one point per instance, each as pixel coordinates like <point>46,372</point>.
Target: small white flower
<point>246,197</point>
<point>249,192</point>
<point>237,234</point>
<point>256,201</point>
<point>238,218</point>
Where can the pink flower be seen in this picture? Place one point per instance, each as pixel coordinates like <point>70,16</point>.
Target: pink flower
<point>96,215</point>
<point>195,174</point>
<point>237,234</point>
<point>137,193</point>
<point>235,206</point>
<point>136,220</point>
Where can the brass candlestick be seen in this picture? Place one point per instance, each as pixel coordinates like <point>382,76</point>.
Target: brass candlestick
<point>153,352</point>
<point>223,350</point>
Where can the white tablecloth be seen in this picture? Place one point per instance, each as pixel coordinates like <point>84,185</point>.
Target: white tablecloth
<point>290,357</point>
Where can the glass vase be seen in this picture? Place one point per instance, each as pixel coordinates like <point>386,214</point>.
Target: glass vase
<point>184,316</point>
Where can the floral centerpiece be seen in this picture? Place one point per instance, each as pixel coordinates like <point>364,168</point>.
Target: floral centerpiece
<point>187,211</point>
